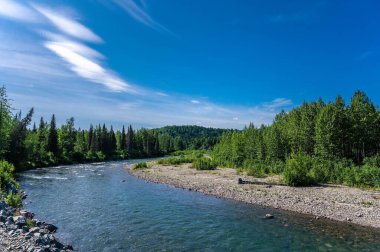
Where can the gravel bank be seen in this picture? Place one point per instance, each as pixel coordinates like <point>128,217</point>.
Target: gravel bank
<point>334,202</point>
<point>19,231</point>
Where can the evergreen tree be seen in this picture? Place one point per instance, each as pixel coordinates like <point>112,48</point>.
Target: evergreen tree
<point>52,144</point>
<point>5,121</point>
<point>123,141</point>
<point>17,152</point>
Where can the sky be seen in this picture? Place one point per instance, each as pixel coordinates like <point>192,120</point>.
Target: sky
<point>185,62</point>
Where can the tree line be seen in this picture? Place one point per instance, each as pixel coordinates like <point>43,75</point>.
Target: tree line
<point>333,142</point>
<point>46,144</point>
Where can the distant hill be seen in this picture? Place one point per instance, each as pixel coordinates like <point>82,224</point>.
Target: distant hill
<point>191,136</point>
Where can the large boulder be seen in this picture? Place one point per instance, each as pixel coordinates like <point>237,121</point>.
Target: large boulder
<point>51,228</point>
<point>19,220</point>
<point>26,214</point>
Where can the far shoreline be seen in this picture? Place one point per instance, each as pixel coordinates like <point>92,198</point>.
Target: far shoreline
<point>333,202</point>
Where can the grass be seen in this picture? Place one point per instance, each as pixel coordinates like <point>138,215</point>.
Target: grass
<point>204,163</point>
<point>367,203</point>
<point>141,165</point>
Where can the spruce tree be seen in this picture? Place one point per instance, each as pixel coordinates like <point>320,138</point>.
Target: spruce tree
<point>52,144</point>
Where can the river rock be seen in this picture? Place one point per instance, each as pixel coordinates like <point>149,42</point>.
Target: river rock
<point>9,220</point>
<point>51,228</point>
<point>25,229</point>
<point>26,214</point>
<point>34,230</point>
<point>19,220</point>
<point>268,216</point>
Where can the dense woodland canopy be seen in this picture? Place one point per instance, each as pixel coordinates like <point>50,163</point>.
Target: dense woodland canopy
<point>326,142</point>
<point>44,144</point>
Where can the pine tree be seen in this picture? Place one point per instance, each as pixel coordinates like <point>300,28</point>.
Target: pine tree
<point>52,144</point>
<point>17,148</point>
<point>5,121</point>
<point>123,140</point>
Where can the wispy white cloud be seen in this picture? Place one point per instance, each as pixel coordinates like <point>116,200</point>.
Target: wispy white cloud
<point>162,94</point>
<point>68,25</point>
<point>278,103</point>
<point>14,10</point>
<point>195,101</point>
<point>77,56</point>
<point>84,61</point>
<point>139,14</point>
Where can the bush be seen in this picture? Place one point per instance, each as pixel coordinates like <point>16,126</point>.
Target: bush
<point>256,170</point>
<point>14,199</point>
<point>373,161</point>
<point>6,175</point>
<point>321,170</point>
<point>141,165</point>
<point>100,156</point>
<point>29,223</point>
<point>204,163</point>
<point>175,160</point>
<point>263,169</point>
<point>367,176</point>
<point>297,171</point>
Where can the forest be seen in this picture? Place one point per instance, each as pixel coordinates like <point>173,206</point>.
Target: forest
<point>317,142</point>
<point>29,146</point>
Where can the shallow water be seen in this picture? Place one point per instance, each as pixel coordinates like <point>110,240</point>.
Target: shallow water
<point>96,211</point>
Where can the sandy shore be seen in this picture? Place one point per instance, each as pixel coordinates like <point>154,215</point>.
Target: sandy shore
<point>334,202</point>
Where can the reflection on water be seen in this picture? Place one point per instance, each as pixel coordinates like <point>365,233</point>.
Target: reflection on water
<point>99,207</point>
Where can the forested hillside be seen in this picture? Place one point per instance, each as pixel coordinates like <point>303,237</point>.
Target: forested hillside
<point>46,144</point>
<point>189,137</point>
<point>316,142</point>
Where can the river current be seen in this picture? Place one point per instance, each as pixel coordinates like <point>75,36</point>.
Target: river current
<point>100,207</point>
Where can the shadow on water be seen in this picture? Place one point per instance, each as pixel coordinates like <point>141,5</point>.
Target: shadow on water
<point>100,207</point>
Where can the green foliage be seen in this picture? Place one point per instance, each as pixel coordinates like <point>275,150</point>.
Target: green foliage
<point>297,171</point>
<point>176,160</point>
<point>141,165</point>
<point>203,163</point>
<point>14,199</point>
<point>29,223</point>
<point>6,175</point>
<point>5,121</point>
<point>332,142</point>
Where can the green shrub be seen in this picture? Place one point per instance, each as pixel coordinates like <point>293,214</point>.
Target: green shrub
<point>321,170</point>
<point>100,156</point>
<point>373,161</point>
<point>141,165</point>
<point>29,223</point>
<point>6,175</point>
<point>367,176</point>
<point>14,199</point>
<point>175,160</point>
<point>255,171</point>
<point>204,163</point>
<point>297,171</point>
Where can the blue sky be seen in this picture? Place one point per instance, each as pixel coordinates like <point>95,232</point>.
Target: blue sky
<point>211,63</point>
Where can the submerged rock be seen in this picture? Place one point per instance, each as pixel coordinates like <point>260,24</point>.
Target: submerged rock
<point>268,216</point>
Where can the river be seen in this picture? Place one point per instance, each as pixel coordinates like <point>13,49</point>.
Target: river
<point>100,207</point>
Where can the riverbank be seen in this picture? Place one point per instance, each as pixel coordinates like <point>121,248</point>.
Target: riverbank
<point>334,202</point>
<point>19,231</point>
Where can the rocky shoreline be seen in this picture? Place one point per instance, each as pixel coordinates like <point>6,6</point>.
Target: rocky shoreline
<point>20,231</point>
<point>335,202</point>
